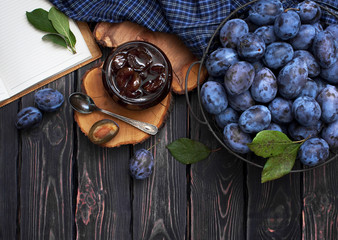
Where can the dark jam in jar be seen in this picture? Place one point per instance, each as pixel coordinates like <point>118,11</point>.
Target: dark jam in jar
<point>137,75</point>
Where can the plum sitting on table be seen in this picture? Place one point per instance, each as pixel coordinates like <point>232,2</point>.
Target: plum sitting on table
<point>48,99</point>
<point>28,117</point>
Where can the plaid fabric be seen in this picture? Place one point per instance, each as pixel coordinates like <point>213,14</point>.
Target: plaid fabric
<point>194,21</point>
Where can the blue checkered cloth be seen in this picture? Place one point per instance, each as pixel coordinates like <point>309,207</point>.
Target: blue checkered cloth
<point>194,21</point>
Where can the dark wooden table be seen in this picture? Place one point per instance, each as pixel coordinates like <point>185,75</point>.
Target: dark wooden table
<point>56,184</point>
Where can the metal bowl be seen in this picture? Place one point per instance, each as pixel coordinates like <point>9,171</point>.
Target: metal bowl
<point>207,118</point>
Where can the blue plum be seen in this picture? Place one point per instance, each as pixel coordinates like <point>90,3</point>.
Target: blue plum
<point>298,132</point>
<point>321,84</point>
<point>141,164</point>
<point>48,99</point>
<point>220,60</point>
<point>311,63</point>
<point>214,97</point>
<point>216,79</point>
<point>264,86</point>
<point>258,65</point>
<point>292,78</point>
<point>318,27</point>
<point>333,29</point>
<point>310,89</point>
<point>239,77</point>
<point>287,25</point>
<point>267,33</point>
<point>251,47</point>
<point>306,111</point>
<point>324,49</point>
<point>274,127</point>
<point>28,117</point>
<point>313,151</point>
<point>304,38</point>
<point>229,115</point>
<point>330,74</point>
<point>264,12</point>
<point>255,119</point>
<point>328,101</point>
<point>330,135</point>
<point>242,101</point>
<point>231,31</point>
<point>281,110</point>
<point>277,54</point>
<point>236,139</point>
<point>309,12</point>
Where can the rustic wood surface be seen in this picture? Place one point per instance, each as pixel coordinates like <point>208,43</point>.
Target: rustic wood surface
<point>56,184</point>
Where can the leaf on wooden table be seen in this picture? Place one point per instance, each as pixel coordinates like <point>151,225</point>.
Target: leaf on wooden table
<point>188,151</point>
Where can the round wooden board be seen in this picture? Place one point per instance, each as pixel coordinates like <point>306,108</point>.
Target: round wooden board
<point>181,58</point>
<point>93,86</point>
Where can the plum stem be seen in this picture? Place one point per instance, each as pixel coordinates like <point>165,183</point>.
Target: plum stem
<point>158,141</point>
<point>295,9</point>
<point>303,140</point>
<point>217,149</point>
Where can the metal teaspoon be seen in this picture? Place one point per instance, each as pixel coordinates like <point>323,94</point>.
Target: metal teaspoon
<point>82,103</point>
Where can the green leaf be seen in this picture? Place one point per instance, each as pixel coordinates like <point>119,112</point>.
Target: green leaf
<point>268,143</point>
<point>72,38</point>
<point>39,19</point>
<point>188,151</point>
<point>60,22</point>
<point>55,38</point>
<point>280,165</point>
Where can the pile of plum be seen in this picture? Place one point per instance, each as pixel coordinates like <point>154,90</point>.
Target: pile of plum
<point>277,70</point>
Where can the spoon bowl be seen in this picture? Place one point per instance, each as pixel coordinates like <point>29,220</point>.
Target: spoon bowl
<point>83,103</point>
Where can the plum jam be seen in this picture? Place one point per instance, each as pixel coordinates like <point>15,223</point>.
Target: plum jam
<point>137,75</point>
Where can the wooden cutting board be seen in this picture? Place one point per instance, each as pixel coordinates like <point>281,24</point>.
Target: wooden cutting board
<point>112,35</point>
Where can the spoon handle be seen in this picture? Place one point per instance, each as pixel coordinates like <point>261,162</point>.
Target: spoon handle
<point>145,127</point>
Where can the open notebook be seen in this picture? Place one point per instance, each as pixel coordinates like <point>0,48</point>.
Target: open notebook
<point>28,62</point>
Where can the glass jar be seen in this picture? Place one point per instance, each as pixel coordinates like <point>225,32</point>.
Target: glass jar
<point>137,75</point>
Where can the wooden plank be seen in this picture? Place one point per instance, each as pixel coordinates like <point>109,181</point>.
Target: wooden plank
<point>217,206</point>
<point>9,151</point>
<point>103,208</point>
<point>320,203</point>
<point>46,173</point>
<point>274,208</point>
<point>159,202</point>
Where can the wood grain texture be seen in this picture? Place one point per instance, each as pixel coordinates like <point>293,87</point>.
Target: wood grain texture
<point>159,202</point>
<point>9,153</point>
<point>217,191</point>
<point>320,203</point>
<point>103,208</point>
<point>274,208</point>
<point>46,173</point>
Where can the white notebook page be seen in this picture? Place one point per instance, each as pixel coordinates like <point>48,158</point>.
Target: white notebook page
<point>26,59</point>
<point>3,91</point>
